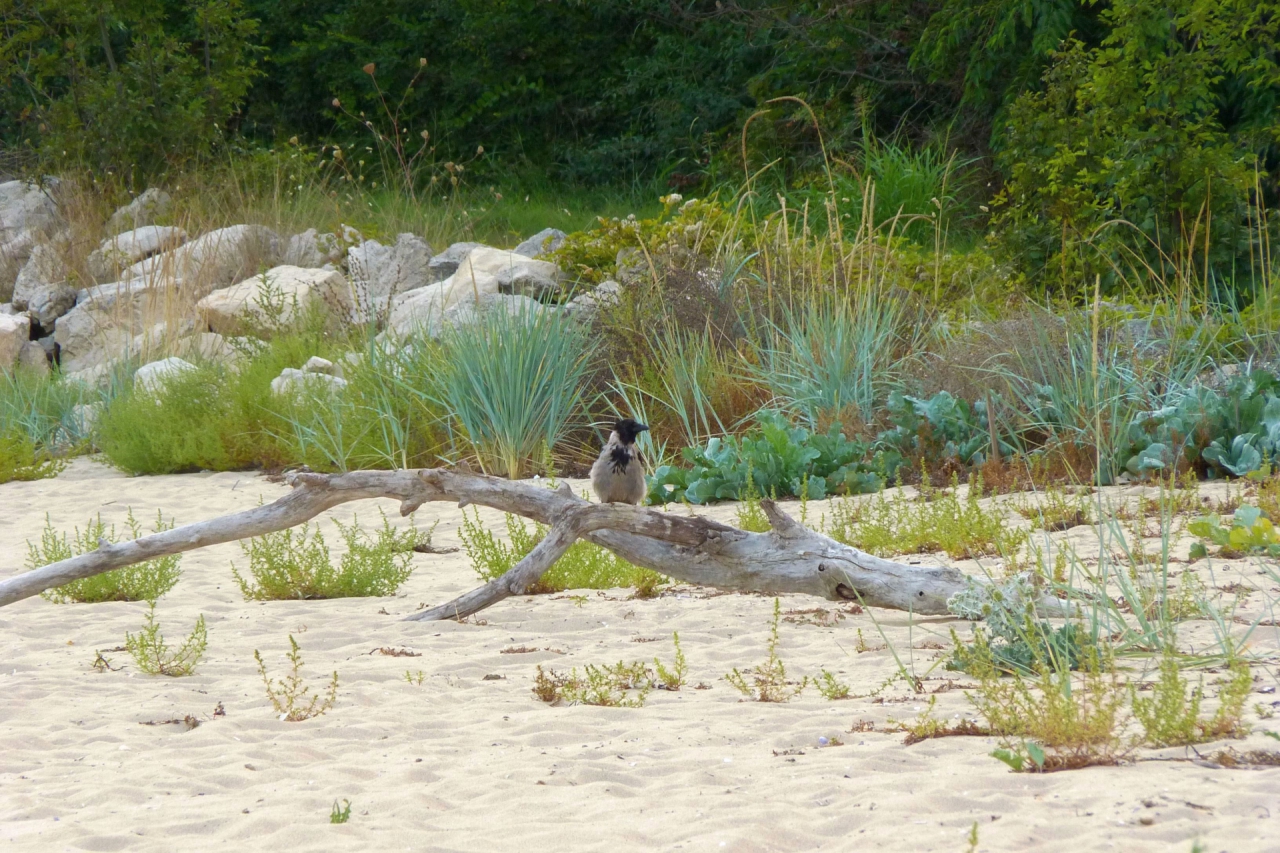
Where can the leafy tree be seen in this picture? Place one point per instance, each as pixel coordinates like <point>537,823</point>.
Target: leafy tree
<point>128,84</point>
<point>1161,126</point>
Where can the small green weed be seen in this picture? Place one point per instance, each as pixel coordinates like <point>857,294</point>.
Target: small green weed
<point>144,581</point>
<point>154,657</point>
<point>927,727</point>
<point>1054,720</point>
<point>938,521</point>
<point>295,564</point>
<point>20,459</point>
<point>1053,509</point>
<point>675,677</point>
<point>750,516</point>
<point>340,813</point>
<point>1171,717</point>
<point>584,565</point>
<point>414,677</point>
<point>620,685</point>
<point>830,687</point>
<point>767,682</point>
<point>289,696</point>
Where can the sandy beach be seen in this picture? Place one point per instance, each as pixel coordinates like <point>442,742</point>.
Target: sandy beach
<point>469,760</point>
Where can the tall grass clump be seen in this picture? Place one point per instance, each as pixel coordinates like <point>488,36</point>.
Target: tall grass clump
<point>144,581</point>
<point>514,384</point>
<point>43,409</point>
<point>829,354</point>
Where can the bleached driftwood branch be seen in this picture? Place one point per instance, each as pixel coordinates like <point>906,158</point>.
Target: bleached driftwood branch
<point>790,558</point>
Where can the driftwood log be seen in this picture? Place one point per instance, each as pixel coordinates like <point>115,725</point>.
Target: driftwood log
<point>790,558</point>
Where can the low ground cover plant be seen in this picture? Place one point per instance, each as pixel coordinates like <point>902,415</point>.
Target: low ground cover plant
<point>295,563</point>
<point>937,520</point>
<point>154,656</point>
<point>21,459</point>
<point>584,565</point>
<point>144,581</point>
<point>620,685</point>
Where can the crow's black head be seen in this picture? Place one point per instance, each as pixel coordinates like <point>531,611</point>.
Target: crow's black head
<point>628,429</point>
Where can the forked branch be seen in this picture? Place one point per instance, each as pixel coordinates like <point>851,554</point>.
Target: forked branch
<point>790,558</point>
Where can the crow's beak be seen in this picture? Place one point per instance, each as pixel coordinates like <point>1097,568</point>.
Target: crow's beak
<point>641,428</point>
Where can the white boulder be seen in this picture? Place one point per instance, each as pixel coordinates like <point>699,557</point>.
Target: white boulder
<point>142,211</point>
<point>278,298</point>
<point>27,210</point>
<point>211,260</point>
<point>152,377</point>
<point>379,273</point>
<point>122,251</point>
<point>546,240</point>
<point>41,287</point>
<point>446,263</point>
<point>15,333</point>
<point>312,249</point>
<point>291,381</point>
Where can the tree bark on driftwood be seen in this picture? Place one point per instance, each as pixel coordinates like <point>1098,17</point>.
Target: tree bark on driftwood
<point>790,558</point>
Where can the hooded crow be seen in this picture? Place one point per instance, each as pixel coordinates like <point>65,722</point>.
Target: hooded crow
<point>617,475</point>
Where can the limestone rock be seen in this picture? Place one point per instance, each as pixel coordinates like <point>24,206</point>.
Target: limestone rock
<point>142,211</point>
<point>586,306</point>
<point>122,251</point>
<point>481,274</point>
<point>27,211</point>
<point>473,311</point>
<point>312,250</point>
<point>292,380</point>
<point>41,287</point>
<point>152,377</point>
<point>316,364</point>
<point>32,357</point>
<point>208,346</point>
<point>212,260</point>
<point>379,273</point>
<point>446,263</point>
<point>545,241</point>
<point>526,281</point>
<point>632,266</point>
<point>15,333</point>
<point>115,324</point>
<point>244,306</point>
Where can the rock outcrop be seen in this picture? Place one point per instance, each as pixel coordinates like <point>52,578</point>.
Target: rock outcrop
<point>275,300</point>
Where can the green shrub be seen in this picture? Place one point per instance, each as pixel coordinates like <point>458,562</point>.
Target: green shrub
<point>20,459</point>
<point>1011,639</point>
<point>1161,125</point>
<point>1250,532</point>
<point>583,566</point>
<point>1170,717</point>
<point>936,521</point>
<point>780,460</point>
<point>144,581</point>
<point>183,426</point>
<point>294,563</point>
<point>154,657</point>
<point>290,696</point>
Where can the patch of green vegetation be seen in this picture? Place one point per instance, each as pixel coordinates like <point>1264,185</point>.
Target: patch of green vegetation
<point>1171,717</point>
<point>154,657</point>
<point>1250,532</point>
<point>767,682</point>
<point>291,698</point>
<point>294,563</point>
<point>939,520</point>
<point>20,459</point>
<point>620,685</point>
<point>583,566</point>
<point>340,813</point>
<point>1011,639</point>
<point>145,581</point>
<point>831,687</point>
